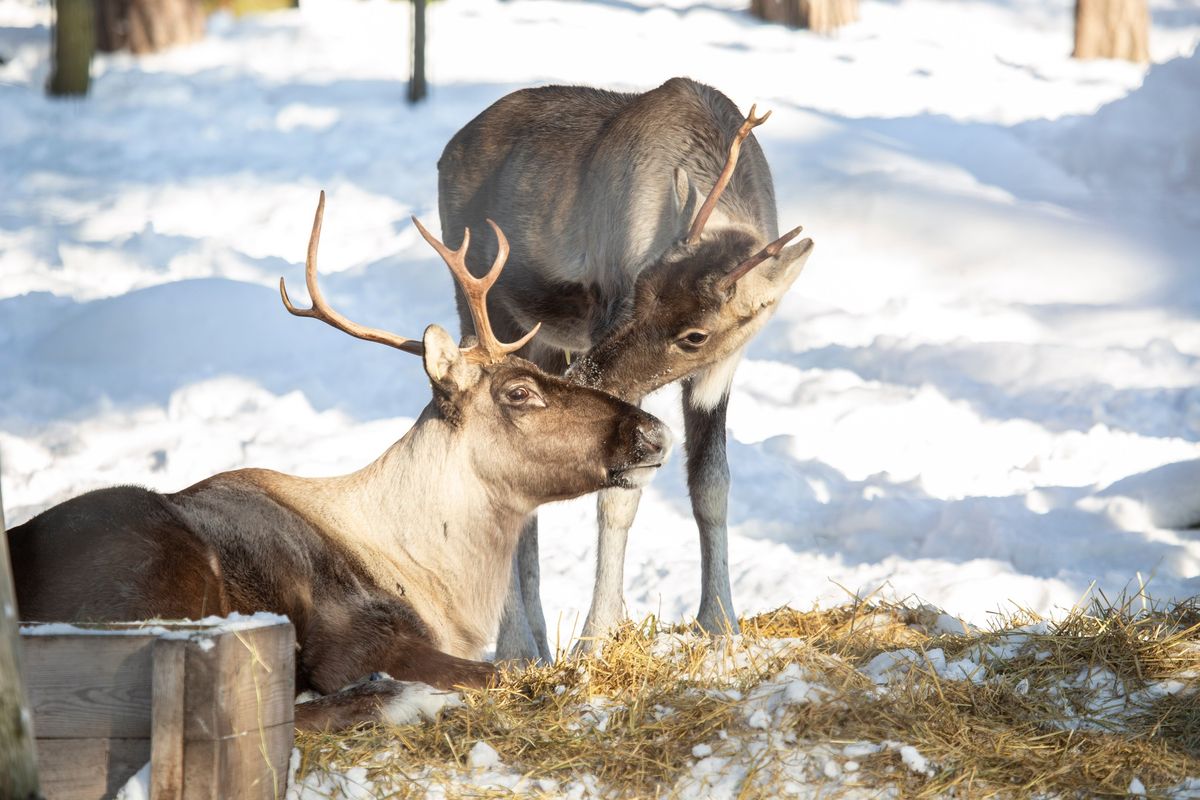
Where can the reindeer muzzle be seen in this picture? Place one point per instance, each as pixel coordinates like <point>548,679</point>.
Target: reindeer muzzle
<point>646,443</point>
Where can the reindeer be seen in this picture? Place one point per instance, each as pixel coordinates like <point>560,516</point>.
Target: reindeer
<point>633,278</point>
<point>400,567</point>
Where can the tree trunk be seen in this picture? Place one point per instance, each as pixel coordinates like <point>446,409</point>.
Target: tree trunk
<point>146,26</point>
<point>74,41</point>
<point>1112,29</point>
<point>416,83</point>
<point>18,766</point>
<point>822,16</point>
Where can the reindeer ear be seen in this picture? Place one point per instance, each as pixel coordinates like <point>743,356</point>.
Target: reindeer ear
<point>685,199</point>
<point>445,365</point>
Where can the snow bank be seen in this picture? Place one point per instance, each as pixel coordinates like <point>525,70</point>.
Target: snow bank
<point>1147,143</point>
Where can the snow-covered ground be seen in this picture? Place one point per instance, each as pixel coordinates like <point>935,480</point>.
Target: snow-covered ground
<point>982,391</point>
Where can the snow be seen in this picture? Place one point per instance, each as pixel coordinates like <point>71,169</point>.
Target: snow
<point>482,756</point>
<point>198,629</point>
<point>913,759</point>
<point>982,392</point>
<point>138,785</point>
<point>419,702</point>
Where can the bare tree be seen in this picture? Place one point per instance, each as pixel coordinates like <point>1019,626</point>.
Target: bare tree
<point>146,26</point>
<point>18,766</point>
<point>416,83</point>
<point>1112,29</point>
<point>821,16</point>
<point>74,42</point>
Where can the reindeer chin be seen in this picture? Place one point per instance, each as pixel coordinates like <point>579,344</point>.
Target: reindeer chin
<point>632,477</point>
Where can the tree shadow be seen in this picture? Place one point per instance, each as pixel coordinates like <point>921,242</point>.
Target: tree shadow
<point>1063,533</point>
<point>140,347</point>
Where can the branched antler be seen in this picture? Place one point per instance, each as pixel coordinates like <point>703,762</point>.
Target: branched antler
<point>735,147</point>
<point>324,312</point>
<point>489,349</point>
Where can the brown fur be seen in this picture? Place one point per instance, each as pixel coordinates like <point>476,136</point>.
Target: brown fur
<point>388,569</point>
<point>596,192</point>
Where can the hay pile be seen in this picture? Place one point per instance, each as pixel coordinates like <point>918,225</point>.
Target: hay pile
<point>870,699</point>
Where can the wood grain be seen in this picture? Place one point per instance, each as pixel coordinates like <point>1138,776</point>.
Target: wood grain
<point>244,682</point>
<point>90,769</point>
<point>84,686</point>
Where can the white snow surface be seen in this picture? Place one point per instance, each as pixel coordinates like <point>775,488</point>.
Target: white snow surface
<point>138,785</point>
<point>982,391</point>
<point>205,626</point>
<point>419,702</point>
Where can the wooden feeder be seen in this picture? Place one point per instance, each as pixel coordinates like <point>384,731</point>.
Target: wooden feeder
<point>208,705</point>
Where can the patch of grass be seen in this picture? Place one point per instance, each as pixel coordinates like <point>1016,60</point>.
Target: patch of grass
<point>1076,707</point>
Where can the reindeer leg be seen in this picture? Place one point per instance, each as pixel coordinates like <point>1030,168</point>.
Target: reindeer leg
<point>531,587</point>
<point>522,635</point>
<point>370,700</point>
<point>615,510</point>
<point>344,641</point>
<point>708,483</point>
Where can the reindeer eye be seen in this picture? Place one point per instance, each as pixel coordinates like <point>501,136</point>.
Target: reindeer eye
<point>693,338</point>
<point>522,396</point>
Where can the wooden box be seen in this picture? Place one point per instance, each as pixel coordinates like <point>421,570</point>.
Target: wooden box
<point>208,705</point>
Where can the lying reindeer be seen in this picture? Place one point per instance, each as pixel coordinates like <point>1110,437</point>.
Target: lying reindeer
<point>401,567</point>
<point>597,191</point>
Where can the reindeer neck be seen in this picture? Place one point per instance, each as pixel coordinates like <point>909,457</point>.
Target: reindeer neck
<point>426,527</point>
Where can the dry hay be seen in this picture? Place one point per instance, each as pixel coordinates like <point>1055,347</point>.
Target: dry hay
<point>1034,721</point>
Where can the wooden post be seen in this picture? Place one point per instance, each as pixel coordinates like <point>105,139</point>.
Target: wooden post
<point>168,684</point>
<point>1112,29</point>
<point>416,83</point>
<point>74,42</point>
<point>18,764</point>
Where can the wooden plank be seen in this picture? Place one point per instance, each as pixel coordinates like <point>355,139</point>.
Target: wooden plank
<point>244,682</point>
<point>166,719</point>
<point>89,769</point>
<point>89,687</point>
<point>252,766</point>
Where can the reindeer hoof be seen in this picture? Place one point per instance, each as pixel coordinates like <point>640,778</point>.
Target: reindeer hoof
<point>475,675</point>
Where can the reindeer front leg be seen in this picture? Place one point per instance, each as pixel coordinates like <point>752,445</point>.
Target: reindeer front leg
<point>708,484</point>
<point>522,635</point>
<point>343,641</point>
<point>615,510</point>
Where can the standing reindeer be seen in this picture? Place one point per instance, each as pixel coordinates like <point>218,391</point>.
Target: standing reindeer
<point>401,567</point>
<point>631,274</point>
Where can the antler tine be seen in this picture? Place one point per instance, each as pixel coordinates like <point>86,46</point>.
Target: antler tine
<point>489,349</point>
<point>324,312</point>
<point>770,251</point>
<point>501,255</point>
<point>735,147</point>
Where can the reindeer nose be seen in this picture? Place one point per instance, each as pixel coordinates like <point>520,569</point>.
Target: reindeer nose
<point>653,439</point>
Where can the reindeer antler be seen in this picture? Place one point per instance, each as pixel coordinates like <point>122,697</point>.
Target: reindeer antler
<point>489,349</point>
<point>770,251</point>
<point>324,312</point>
<point>735,147</point>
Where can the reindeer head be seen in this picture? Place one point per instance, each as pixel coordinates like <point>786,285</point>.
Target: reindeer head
<point>532,437</point>
<point>697,306</point>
